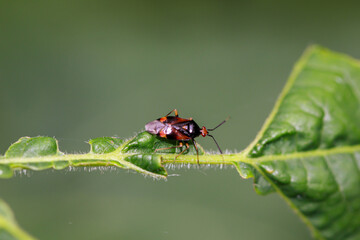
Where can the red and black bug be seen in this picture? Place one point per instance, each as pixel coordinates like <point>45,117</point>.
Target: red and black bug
<point>180,129</point>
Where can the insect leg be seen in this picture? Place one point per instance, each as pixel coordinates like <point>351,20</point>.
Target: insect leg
<point>197,151</point>
<point>187,147</point>
<point>178,146</point>
<point>175,112</point>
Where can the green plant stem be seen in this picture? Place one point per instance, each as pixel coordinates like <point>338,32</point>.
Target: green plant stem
<point>110,159</point>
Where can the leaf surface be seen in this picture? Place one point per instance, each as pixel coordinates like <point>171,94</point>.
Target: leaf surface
<point>309,148</point>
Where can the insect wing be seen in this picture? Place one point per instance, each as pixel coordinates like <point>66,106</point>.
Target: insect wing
<point>178,135</point>
<point>154,127</point>
<point>173,120</point>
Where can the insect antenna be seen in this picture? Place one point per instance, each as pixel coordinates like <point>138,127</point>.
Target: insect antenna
<point>212,129</point>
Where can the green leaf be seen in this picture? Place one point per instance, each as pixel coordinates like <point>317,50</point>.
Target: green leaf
<point>104,144</point>
<point>309,151</point>
<point>33,147</point>
<point>9,230</point>
<point>150,162</point>
<point>245,170</point>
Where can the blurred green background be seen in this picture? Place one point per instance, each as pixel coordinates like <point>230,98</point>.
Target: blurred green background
<point>83,69</point>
